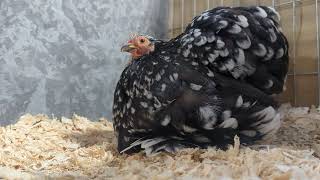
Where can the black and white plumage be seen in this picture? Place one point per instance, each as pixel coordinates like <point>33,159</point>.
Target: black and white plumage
<point>243,42</point>
<point>202,88</point>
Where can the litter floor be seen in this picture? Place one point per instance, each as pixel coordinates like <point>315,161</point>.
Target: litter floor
<point>39,147</point>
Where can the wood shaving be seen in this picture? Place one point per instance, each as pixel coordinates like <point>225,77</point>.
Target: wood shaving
<point>39,147</point>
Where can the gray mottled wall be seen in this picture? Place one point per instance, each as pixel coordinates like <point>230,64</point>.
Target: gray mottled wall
<point>63,56</point>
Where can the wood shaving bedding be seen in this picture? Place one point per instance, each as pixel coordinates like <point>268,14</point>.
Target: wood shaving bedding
<point>39,147</point>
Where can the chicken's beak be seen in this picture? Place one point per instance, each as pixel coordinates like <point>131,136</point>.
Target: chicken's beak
<point>128,48</point>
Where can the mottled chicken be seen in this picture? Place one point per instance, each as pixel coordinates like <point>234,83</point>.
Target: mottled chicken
<point>205,86</point>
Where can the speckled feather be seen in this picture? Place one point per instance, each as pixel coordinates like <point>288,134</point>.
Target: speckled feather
<point>170,98</point>
<point>184,107</point>
<point>243,42</point>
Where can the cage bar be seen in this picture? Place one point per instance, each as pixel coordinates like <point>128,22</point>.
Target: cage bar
<point>182,16</point>
<point>273,3</point>
<point>194,8</point>
<point>318,46</point>
<point>288,3</point>
<point>294,51</point>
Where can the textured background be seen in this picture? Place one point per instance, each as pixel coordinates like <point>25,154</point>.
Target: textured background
<point>63,56</point>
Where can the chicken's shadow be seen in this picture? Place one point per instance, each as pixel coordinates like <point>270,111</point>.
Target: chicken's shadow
<point>90,137</point>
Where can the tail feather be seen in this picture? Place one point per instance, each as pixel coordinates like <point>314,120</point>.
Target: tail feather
<point>204,126</point>
<point>134,144</point>
<point>154,145</point>
<point>271,126</point>
<point>250,118</point>
<point>262,123</point>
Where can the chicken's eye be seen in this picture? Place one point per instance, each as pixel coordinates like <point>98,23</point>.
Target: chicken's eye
<point>142,40</point>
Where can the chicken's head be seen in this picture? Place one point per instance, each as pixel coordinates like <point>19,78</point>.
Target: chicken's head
<point>139,45</point>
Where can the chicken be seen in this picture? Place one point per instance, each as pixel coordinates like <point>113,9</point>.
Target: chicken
<point>191,92</point>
